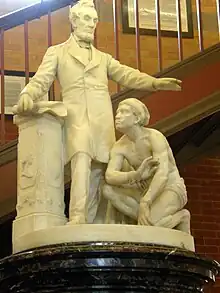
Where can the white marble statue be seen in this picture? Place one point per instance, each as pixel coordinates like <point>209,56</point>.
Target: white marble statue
<point>151,192</point>
<point>83,73</point>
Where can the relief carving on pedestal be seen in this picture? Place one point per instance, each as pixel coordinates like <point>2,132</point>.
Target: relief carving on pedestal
<point>28,171</point>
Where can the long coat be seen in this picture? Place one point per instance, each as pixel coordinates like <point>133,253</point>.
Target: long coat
<point>89,126</point>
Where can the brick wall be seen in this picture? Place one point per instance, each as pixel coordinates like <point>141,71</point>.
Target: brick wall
<point>203,185</point>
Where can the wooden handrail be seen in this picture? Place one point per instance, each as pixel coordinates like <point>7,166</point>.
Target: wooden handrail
<point>32,12</point>
<point>188,64</point>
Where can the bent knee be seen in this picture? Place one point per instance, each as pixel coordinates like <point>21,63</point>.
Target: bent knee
<point>186,213</point>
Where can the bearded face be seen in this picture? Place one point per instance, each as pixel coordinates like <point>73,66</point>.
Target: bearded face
<point>85,24</point>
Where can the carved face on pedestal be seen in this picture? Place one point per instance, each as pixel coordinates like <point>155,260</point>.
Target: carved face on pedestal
<point>84,19</point>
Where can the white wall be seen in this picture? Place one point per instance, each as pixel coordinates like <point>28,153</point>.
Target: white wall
<point>7,6</point>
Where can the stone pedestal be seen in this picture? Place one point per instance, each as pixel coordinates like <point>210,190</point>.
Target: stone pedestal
<point>40,187</point>
<point>88,233</point>
<point>106,267</point>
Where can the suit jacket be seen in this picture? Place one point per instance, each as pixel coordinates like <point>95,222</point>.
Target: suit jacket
<point>89,126</point>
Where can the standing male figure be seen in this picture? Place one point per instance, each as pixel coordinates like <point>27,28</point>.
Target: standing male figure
<point>83,74</point>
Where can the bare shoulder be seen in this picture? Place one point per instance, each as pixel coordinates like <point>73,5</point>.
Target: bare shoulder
<point>120,147</point>
<point>158,140</point>
<point>156,134</point>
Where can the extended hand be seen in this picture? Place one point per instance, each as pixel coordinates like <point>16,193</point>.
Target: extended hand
<point>136,176</point>
<point>148,168</point>
<point>25,104</point>
<point>167,84</point>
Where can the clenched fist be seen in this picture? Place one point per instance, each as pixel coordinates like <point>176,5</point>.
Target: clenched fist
<point>25,104</point>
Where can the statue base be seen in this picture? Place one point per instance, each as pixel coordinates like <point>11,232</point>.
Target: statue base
<point>106,267</point>
<point>88,233</point>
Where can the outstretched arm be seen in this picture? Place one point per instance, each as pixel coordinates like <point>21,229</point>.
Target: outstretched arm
<point>129,77</point>
<point>134,79</point>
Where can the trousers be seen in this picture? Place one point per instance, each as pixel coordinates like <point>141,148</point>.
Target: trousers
<point>86,175</point>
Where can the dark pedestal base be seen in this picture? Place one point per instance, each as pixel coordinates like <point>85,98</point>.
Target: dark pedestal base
<point>106,267</point>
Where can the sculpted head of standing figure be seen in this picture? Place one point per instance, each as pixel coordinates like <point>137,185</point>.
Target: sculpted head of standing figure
<point>84,18</point>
